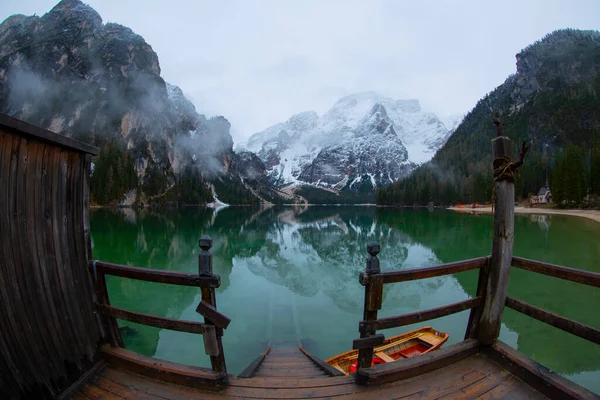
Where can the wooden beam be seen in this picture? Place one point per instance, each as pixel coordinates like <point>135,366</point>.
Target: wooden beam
<point>322,365</point>
<point>211,313</point>
<point>536,375</point>
<point>23,128</point>
<point>155,275</point>
<point>431,272</point>
<point>475,314</point>
<point>558,271</point>
<point>368,342</point>
<point>414,366</point>
<point>150,320</point>
<point>573,327</point>
<point>502,244</point>
<point>249,371</point>
<point>407,319</point>
<point>166,371</point>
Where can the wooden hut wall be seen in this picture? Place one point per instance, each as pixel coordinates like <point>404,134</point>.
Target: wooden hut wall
<point>48,330</point>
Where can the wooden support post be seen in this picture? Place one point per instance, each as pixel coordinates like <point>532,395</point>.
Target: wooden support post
<point>373,297</point>
<point>213,342</point>
<point>502,246</point>
<point>109,323</point>
<point>475,314</point>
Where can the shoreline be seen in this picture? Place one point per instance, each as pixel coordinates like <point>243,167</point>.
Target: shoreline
<point>590,214</point>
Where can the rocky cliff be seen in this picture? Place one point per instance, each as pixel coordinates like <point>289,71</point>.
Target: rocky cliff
<point>551,103</point>
<point>100,83</point>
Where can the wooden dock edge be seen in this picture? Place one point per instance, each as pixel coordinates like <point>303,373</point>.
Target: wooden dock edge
<point>411,367</point>
<point>535,374</point>
<point>166,371</point>
<point>249,371</point>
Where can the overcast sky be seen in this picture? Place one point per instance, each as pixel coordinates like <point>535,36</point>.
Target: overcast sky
<point>259,62</point>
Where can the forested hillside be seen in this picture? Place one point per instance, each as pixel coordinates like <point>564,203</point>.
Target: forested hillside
<point>551,103</point>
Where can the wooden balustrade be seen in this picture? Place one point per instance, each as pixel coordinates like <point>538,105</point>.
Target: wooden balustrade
<point>558,271</point>
<point>434,271</point>
<point>373,280</point>
<point>214,321</point>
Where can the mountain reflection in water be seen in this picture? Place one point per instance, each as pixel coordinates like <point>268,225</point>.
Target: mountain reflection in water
<point>292,274</point>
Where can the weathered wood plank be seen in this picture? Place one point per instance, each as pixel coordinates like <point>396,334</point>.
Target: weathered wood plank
<point>291,383</point>
<point>410,367</point>
<point>45,286</point>
<point>322,365</point>
<point>125,391</point>
<point>420,316</point>
<point>475,314</point>
<point>39,306</point>
<point>156,275</point>
<point>109,323</point>
<point>80,271</point>
<point>74,234</point>
<point>434,271</point>
<point>480,387</point>
<point>573,327</point>
<point>211,313</point>
<point>53,248</point>
<point>10,335</point>
<point>254,365</point>
<point>78,384</point>
<point>368,342</point>
<point>145,319</point>
<point>28,329</point>
<point>186,375</point>
<point>570,274</point>
<point>62,244</point>
<point>94,392</point>
<point>538,376</point>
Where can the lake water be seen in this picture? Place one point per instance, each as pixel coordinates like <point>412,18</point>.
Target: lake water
<point>291,274</point>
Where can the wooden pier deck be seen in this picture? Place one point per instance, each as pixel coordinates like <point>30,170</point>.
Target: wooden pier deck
<point>58,321</point>
<point>476,377</point>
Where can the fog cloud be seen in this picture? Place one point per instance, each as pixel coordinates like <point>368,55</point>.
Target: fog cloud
<point>258,62</point>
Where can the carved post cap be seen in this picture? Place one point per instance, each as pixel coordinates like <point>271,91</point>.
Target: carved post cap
<point>373,249</point>
<point>205,242</point>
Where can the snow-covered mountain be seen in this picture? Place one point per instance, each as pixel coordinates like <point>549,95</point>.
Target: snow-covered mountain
<point>363,142</point>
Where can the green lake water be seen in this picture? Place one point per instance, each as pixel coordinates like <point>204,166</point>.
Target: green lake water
<point>290,274</point>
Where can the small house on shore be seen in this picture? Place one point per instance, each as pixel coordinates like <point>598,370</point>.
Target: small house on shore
<point>544,196</point>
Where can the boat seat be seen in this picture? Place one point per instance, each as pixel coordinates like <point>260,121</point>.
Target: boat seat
<point>384,357</point>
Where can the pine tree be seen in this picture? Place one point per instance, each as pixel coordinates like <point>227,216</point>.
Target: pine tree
<point>557,184</point>
<point>595,166</point>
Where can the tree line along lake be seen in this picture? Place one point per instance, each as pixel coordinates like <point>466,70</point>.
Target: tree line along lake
<point>291,274</point>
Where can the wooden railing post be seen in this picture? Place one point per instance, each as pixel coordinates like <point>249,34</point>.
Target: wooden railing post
<point>213,343</point>
<point>475,314</point>
<point>502,246</point>
<point>373,297</point>
<point>110,326</point>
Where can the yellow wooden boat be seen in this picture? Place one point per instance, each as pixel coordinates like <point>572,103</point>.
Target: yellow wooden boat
<point>410,344</point>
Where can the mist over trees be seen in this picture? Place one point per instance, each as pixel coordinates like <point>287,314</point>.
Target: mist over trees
<point>551,104</point>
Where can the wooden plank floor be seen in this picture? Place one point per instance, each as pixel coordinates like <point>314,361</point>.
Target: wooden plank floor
<point>475,377</point>
<point>288,362</point>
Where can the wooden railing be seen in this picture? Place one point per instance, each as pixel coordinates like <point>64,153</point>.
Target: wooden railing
<point>214,322</point>
<point>373,280</point>
<point>565,273</point>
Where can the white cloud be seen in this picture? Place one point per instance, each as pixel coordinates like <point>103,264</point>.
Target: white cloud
<point>258,62</point>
